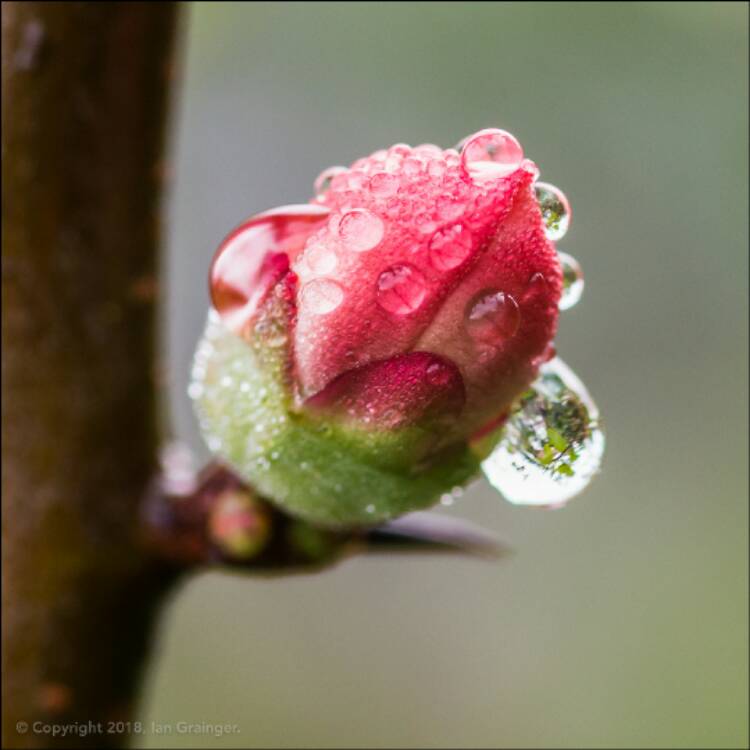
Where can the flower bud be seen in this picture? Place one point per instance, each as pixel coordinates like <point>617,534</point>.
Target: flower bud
<point>361,341</point>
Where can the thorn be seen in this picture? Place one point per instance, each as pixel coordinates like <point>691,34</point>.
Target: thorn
<point>431,532</point>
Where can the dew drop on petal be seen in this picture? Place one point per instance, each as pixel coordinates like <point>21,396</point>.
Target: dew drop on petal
<point>360,230</point>
<point>450,208</point>
<point>450,247</point>
<point>572,276</point>
<point>320,259</point>
<point>492,316</point>
<point>323,181</point>
<point>401,289</point>
<point>536,287</point>
<point>436,168</point>
<point>383,184</point>
<point>322,296</point>
<point>490,154</point>
<point>552,443</point>
<point>555,210</point>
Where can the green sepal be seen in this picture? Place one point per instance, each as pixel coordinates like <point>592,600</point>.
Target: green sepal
<point>315,470</point>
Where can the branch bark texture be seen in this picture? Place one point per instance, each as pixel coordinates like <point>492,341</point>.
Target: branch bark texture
<point>85,90</point>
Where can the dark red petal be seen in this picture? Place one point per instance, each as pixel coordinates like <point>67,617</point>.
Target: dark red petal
<point>405,390</point>
<point>255,256</point>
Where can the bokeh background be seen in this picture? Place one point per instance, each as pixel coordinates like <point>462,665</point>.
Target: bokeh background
<point>618,622</point>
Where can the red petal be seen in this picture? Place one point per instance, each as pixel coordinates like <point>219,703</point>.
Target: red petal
<point>408,389</point>
<point>387,296</point>
<point>498,358</point>
<point>255,256</point>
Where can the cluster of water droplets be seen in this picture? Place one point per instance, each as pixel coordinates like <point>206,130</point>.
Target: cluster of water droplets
<point>218,378</point>
<point>552,443</point>
<point>556,215</point>
<point>439,194</point>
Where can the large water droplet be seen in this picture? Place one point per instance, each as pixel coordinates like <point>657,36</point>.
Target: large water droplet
<point>572,277</point>
<point>255,256</point>
<point>322,296</point>
<point>555,210</point>
<point>492,316</point>
<point>360,230</point>
<point>401,289</point>
<point>491,154</point>
<point>323,181</point>
<point>552,443</point>
<point>449,247</point>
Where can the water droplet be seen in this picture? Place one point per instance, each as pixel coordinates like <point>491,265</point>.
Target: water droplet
<point>323,181</point>
<point>226,381</point>
<point>370,508</point>
<point>360,230</point>
<point>254,257</point>
<point>401,289</point>
<point>572,276</point>
<point>552,443</point>
<point>446,499</point>
<point>555,210</point>
<point>450,247</point>
<point>491,154</point>
<point>322,296</point>
<point>492,316</point>
<point>536,289</point>
<point>399,149</point>
<point>195,390</point>
<point>412,166</point>
<point>436,168</point>
<point>320,259</point>
<point>383,184</point>
<point>450,208</point>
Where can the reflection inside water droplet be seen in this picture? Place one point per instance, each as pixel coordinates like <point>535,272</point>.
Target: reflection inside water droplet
<point>552,443</point>
<point>572,276</point>
<point>555,210</point>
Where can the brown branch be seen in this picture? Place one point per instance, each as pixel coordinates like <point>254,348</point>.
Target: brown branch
<point>83,108</point>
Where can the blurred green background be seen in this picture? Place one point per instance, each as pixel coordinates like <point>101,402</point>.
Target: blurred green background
<point>618,622</point>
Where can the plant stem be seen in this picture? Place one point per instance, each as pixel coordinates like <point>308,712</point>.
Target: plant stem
<point>85,91</point>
